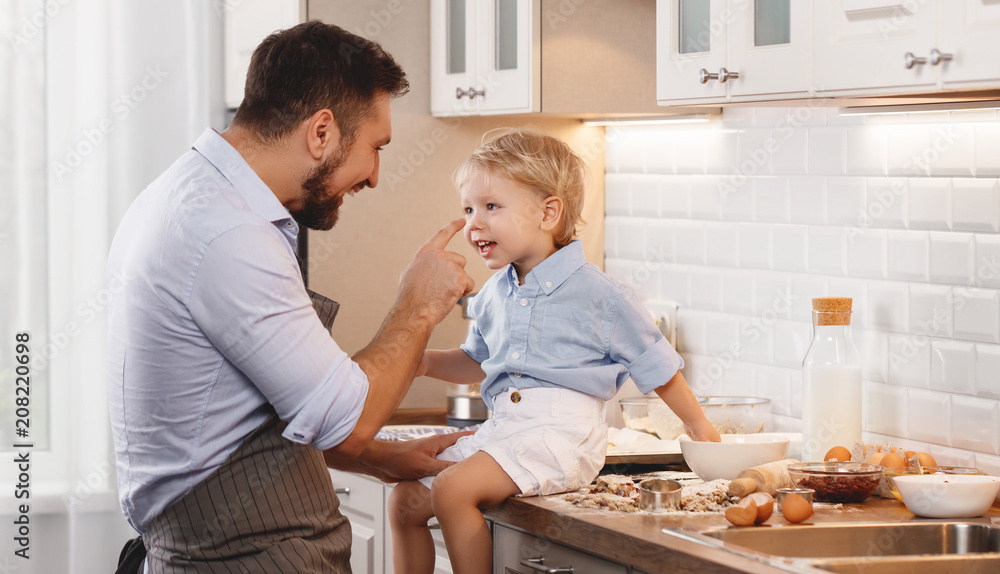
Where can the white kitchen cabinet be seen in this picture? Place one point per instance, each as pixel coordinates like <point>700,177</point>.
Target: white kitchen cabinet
<point>880,47</point>
<point>485,56</point>
<point>716,51</point>
<point>517,552</point>
<point>245,24</point>
<point>364,500</point>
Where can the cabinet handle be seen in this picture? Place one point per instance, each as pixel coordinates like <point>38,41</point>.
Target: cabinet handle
<point>909,60</point>
<point>937,57</point>
<point>342,490</point>
<point>538,565</point>
<point>725,74</point>
<point>471,92</point>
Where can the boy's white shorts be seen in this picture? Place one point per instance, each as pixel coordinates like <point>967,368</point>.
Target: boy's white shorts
<point>548,441</point>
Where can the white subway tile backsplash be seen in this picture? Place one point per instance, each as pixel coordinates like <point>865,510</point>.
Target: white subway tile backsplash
<point>646,195</point>
<point>909,361</point>
<point>738,292</point>
<point>789,246</point>
<point>928,416</point>
<point>866,253</point>
<point>885,204</point>
<point>952,258</point>
<point>988,370</point>
<point>909,254</point>
<point>987,463</point>
<point>930,310</point>
<point>987,163</point>
<point>951,151</point>
<point>807,200</point>
<point>755,245</point>
<point>827,151</point>
<point>977,315</point>
<point>771,199</point>
<point>706,197</point>
<point>974,424</point>
<point>975,204</point>
<point>743,221</point>
<point>886,409</point>
<point>929,203</point>
<point>706,288</point>
<point>953,367</point>
<point>866,150</point>
<point>689,241</point>
<point>907,146</point>
<point>827,250</point>
<point>845,200</point>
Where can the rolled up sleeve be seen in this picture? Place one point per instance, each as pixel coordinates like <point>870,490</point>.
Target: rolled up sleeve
<point>248,298</point>
<point>637,344</point>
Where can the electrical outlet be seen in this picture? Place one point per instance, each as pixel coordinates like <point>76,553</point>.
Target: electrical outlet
<point>665,316</point>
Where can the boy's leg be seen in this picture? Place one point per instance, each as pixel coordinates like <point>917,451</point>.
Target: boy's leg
<point>412,545</point>
<point>457,496</point>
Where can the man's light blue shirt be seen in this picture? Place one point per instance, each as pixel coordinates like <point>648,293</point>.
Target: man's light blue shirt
<point>213,329</point>
<point>569,326</point>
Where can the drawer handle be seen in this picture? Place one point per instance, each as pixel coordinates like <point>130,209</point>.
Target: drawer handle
<point>342,490</point>
<point>723,76</point>
<point>472,93</point>
<point>909,60</point>
<point>937,57</point>
<point>538,565</point>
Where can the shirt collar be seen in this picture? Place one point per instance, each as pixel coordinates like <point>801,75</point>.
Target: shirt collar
<point>554,270</point>
<point>231,164</point>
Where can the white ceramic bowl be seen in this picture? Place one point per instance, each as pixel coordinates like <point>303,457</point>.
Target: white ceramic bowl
<point>947,495</point>
<point>736,452</point>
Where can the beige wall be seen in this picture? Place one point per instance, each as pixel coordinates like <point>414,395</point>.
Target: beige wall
<point>358,262</point>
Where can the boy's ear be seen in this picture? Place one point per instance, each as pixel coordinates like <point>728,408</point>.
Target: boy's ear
<point>552,210</point>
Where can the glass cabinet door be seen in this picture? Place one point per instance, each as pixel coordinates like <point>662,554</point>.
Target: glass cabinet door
<point>769,48</point>
<point>690,37</point>
<point>509,32</point>
<point>453,56</point>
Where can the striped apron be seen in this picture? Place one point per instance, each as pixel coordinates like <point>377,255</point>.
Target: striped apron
<point>269,508</point>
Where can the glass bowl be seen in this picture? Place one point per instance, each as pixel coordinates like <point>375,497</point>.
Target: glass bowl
<point>635,412</point>
<point>836,481</point>
<point>729,415</point>
<point>892,472</point>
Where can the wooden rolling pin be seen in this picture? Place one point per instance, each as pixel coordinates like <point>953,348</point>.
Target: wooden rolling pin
<point>766,478</point>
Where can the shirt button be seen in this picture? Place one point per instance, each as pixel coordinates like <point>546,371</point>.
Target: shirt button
<point>548,284</point>
<point>515,356</point>
<point>515,397</point>
<point>524,302</point>
<point>517,375</point>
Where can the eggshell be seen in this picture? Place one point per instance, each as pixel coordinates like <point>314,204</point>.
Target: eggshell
<point>743,515</point>
<point>909,454</point>
<point>765,505</point>
<point>795,508</point>
<point>926,459</point>
<point>838,453</point>
<point>892,460</point>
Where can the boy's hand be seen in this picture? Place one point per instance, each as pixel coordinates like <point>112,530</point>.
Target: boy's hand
<point>423,366</point>
<point>702,432</point>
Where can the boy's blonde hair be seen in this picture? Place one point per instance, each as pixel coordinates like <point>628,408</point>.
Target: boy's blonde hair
<point>538,162</point>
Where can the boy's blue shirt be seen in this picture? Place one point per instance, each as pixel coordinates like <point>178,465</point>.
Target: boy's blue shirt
<point>569,326</point>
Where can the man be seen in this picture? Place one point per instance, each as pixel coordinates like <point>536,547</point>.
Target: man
<point>224,384</point>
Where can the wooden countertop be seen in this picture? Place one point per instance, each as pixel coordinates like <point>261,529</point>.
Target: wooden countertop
<point>637,538</point>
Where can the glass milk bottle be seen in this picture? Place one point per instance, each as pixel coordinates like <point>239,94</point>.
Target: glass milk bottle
<point>831,380</point>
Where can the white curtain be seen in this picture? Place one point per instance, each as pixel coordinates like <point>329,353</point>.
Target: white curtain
<point>98,98</point>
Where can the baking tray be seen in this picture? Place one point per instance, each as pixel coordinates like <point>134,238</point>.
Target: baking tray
<point>644,458</point>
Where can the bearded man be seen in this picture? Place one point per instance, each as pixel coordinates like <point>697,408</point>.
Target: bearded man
<point>228,396</point>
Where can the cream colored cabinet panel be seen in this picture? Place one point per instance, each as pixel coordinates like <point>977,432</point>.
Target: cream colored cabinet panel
<point>769,46</point>
<point>970,32</point>
<point>362,501</point>
<point>484,56</point>
<point>690,43</point>
<point>861,46</point>
<point>516,552</point>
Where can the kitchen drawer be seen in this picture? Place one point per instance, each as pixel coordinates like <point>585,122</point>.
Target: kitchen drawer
<point>511,546</point>
<point>358,495</point>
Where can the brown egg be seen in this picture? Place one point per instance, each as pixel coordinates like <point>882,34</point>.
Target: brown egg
<point>741,515</point>
<point>765,505</point>
<point>926,459</point>
<point>875,458</point>
<point>795,508</point>
<point>839,454</point>
<point>909,454</point>
<point>892,460</point>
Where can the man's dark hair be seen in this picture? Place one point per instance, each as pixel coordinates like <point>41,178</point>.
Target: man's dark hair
<point>294,73</point>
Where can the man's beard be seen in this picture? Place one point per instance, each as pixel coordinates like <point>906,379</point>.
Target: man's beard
<point>319,211</point>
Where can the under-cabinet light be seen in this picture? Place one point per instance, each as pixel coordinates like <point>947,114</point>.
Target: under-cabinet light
<point>649,121</point>
<point>920,108</point>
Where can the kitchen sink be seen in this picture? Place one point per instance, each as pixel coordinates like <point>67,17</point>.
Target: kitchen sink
<point>966,564</point>
<point>869,540</point>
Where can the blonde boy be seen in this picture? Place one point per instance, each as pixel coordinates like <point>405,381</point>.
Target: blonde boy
<point>553,339</point>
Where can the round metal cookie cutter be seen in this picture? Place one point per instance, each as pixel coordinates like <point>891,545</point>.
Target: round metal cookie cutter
<point>659,495</point>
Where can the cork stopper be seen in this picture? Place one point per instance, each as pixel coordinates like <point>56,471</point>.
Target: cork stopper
<point>832,310</point>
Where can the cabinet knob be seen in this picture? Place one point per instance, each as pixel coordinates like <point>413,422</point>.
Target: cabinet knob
<point>538,565</point>
<point>342,490</point>
<point>704,76</point>
<point>909,60</point>
<point>937,57</point>
<point>471,92</point>
<point>725,75</point>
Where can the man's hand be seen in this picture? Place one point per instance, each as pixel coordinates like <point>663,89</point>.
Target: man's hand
<point>435,279</point>
<point>396,461</point>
